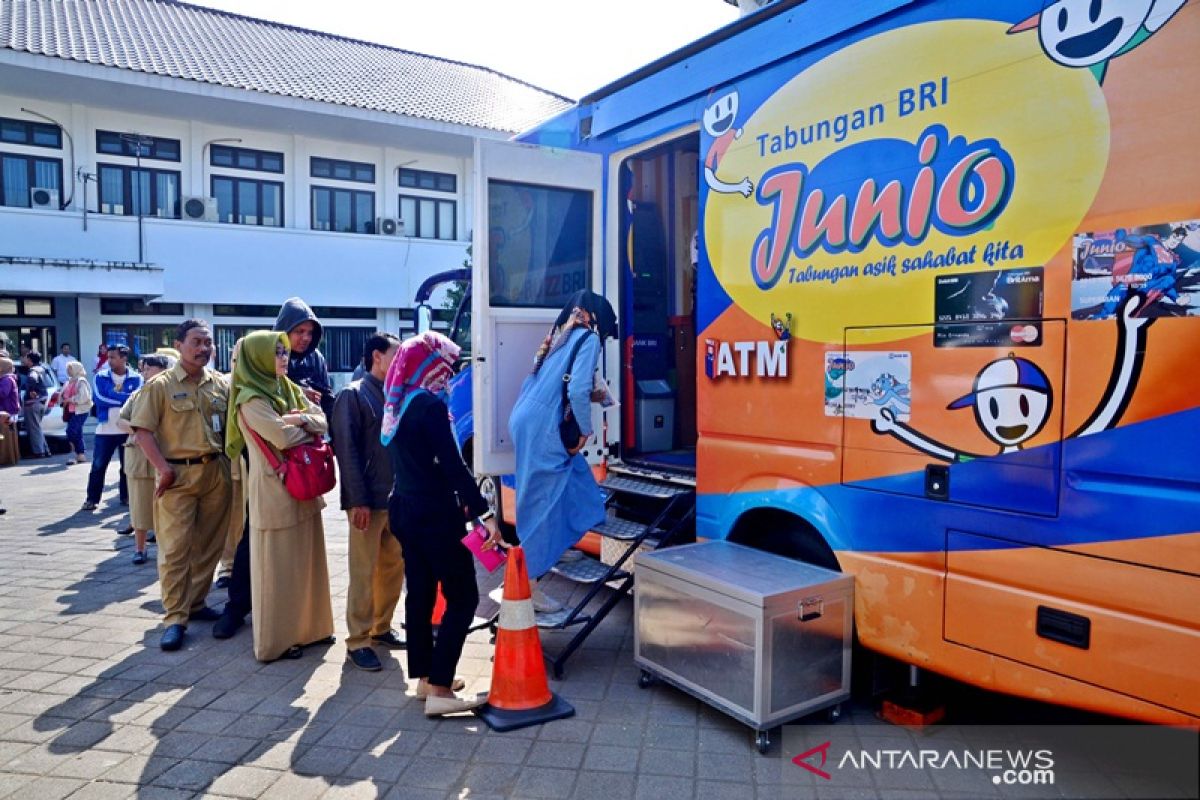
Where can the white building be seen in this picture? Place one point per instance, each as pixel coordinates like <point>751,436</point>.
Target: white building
<point>160,161</point>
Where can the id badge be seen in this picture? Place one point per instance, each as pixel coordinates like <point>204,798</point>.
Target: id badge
<point>216,423</point>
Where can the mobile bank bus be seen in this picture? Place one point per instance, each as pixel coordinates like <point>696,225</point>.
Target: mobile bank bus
<point>910,290</point>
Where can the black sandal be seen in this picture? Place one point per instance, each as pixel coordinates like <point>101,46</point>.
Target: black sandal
<point>292,653</point>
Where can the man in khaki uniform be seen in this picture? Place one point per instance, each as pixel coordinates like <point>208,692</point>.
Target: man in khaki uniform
<point>179,421</point>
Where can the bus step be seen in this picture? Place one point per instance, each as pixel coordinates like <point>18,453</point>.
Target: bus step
<point>624,530</point>
<point>643,488</point>
<point>587,570</point>
<point>557,620</point>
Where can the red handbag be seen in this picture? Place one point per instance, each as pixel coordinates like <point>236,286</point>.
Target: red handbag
<point>306,469</point>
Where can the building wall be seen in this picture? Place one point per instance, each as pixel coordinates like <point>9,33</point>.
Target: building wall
<point>207,263</point>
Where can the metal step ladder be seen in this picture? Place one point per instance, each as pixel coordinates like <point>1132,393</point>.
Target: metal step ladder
<point>640,512</point>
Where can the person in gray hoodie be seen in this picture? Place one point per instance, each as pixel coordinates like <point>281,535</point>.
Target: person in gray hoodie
<point>306,365</point>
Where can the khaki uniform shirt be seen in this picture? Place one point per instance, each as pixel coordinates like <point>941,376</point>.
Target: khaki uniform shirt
<point>186,417</point>
<point>136,463</point>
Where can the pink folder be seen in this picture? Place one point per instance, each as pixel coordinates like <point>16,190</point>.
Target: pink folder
<point>474,540</point>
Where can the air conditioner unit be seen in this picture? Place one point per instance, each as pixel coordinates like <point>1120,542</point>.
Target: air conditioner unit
<point>41,197</point>
<point>387,226</point>
<point>200,208</point>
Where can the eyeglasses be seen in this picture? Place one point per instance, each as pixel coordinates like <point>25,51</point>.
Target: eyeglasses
<point>281,351</point>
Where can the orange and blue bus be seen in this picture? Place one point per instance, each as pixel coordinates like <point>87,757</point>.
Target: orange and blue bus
<point>908,289</point>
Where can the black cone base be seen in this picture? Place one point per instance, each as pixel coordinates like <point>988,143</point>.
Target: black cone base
<point>501,720</point>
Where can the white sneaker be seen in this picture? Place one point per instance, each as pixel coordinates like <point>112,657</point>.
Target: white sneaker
<point>422,692</point>
<point>437,706</point>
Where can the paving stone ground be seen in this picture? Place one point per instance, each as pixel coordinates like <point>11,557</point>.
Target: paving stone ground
<point>91,708</point>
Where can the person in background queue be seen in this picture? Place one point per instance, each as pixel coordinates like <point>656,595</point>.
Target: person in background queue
<point>365,475</point>
<point>179,420</point>
<point>289,577</point>
<point>433,497</point>
<point>35,394</point>
<point>306,365</point>
<point>114,383</point>
<point>137,468</point>
<point>59,364</point>
<point>10,406</point>
<point>238,585</point>
<point>77,404</point>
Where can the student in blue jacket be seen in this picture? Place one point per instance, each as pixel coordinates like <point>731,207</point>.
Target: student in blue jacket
<point>114,383</point>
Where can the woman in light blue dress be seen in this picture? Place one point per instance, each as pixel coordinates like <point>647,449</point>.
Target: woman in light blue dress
<point>557,497</point>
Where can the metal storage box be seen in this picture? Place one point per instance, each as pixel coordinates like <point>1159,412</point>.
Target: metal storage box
<point>761,637</point>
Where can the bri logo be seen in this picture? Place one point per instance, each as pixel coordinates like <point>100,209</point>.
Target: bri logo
<point>948,184</point>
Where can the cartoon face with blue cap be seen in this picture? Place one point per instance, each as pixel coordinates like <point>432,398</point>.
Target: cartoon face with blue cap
<point>1013,398</point>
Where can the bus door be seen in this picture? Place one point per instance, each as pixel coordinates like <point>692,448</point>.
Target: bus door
<point>963,413</point>
<point>536,241</point>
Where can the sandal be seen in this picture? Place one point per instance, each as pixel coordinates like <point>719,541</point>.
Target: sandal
<point>292,653</point>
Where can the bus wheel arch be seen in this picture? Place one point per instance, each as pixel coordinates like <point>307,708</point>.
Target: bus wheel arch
<point>786,534</point>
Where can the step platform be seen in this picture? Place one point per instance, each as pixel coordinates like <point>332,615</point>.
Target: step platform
<point>642,488</point>
<point>587,570</point>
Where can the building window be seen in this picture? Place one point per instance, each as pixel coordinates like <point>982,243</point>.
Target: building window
<point>343,210</point>
<point>225,337</point>
<point>26,307</point>
<point>126,144</point>
<point>421,179</point>
<point>142,340</point>
<point>342,170</point>
<point>243,201</point>
<point>157,192</point>
<point>245,311</point>
<point>343,312</point>
<point>19,174</point>
<point>244,158</point>
<point>427,217</point>
<point>34,134</point>
<point>126,305</point>
<point>343,347</point>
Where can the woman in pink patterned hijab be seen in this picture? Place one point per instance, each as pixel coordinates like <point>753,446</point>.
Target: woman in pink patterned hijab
<point>425,362</point>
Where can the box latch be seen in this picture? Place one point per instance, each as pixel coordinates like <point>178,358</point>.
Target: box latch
<point>811,608</point>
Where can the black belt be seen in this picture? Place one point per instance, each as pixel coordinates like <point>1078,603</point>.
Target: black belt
<point>204,459</point>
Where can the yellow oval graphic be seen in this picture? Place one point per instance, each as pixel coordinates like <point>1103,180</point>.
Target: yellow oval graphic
<point>940,148</point>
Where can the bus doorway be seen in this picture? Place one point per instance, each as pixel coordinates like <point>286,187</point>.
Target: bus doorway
<point>659,213</point>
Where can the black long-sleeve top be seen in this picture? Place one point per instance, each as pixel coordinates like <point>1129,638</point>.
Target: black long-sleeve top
<point>426,465</point>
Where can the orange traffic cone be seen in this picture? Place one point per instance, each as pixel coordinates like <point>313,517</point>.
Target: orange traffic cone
<point>520,694</point>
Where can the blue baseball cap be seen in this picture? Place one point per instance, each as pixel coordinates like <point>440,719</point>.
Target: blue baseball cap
<point>1006,373</point>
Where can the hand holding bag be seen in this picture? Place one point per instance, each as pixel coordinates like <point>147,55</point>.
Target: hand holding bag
<point>476,536</point>
<point>569,431</point>
<point>306,469</point>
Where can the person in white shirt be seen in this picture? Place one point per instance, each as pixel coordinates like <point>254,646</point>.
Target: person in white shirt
<point>59,364</point>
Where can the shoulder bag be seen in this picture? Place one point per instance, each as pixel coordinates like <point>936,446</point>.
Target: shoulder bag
<point>568,427</point>
<point>306,469</point>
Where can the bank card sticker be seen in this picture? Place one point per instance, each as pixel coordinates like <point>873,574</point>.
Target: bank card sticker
<point>859,384</point>
<point>1001,308</point>
<point>1161,262</point>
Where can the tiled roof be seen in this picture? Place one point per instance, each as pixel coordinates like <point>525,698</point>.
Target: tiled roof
<point>161,37</point>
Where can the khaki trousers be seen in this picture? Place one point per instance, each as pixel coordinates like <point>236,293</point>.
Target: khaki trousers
<point>376,578</point>
<point>191,519</point>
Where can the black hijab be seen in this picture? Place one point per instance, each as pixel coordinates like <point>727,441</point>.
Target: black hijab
<point>603,316</point>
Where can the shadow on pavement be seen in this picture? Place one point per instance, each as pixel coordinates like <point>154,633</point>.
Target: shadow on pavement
<point>184,720</point>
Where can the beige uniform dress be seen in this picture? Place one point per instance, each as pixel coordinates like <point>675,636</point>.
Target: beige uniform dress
<point>186,417</point>
<point>237,519</point>
<point>140,475</point>
<point>289,577</point>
